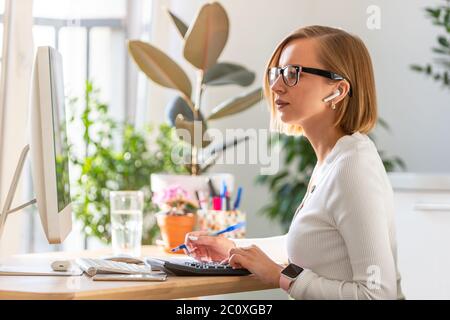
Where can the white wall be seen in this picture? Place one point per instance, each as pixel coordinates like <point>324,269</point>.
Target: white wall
<point>415,107</point>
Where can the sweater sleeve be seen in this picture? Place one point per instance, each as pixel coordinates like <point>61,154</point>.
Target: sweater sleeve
<point>274,247</point>
<point>356,204</point>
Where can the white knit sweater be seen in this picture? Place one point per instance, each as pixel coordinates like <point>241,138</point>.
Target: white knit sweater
<point>344,235</point>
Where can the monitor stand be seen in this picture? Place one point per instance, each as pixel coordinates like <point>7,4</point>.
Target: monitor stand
<point>12,190</point>
<point>30,270</point>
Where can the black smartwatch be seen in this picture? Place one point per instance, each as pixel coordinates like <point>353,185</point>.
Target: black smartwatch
<point>288,275</point>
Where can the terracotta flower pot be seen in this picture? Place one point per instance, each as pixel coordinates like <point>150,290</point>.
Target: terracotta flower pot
<point>174,228</point>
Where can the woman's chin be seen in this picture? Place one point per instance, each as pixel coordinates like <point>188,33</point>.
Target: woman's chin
<point>286,119</point>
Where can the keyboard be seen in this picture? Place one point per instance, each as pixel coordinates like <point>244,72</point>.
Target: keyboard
<point>190,267</point>
<point>99,266</point>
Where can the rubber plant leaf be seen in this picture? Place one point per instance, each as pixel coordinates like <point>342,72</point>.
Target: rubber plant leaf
<point>223,73</point>
<point>159,67</point>
<point>181,26</point>
<point>179,106</point>
<point>207,36</point>
<point>236,104</point>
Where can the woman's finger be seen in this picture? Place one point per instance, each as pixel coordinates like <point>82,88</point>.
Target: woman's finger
<point>202,240</point>
<point>206,258</point>
<point>236,260</point>
<point>191,237</point>
<point>189,251</point>
<point>237,250</point>
<point>201,254</point>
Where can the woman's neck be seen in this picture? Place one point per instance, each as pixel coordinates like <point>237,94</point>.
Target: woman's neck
<point>322,139</point>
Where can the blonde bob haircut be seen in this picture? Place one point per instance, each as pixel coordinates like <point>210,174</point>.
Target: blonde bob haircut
<point>346,55</point>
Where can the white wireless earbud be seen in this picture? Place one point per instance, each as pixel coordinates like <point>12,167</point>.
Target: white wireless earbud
<point>334,95</point>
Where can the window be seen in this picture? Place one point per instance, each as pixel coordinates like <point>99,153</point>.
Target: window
<point>91,37</point>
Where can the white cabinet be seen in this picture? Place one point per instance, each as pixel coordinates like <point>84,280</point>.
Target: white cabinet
<point>422,208</point>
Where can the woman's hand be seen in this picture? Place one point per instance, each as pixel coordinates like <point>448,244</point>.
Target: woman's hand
<point>207,248</point>
<point>257,262</point>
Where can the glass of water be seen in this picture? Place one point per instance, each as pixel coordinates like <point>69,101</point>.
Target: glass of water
<point>126,222</point>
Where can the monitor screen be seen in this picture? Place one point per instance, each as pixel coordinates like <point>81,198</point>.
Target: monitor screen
<point>60,131</point>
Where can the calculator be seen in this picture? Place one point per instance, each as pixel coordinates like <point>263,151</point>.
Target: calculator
<point>191,267</point>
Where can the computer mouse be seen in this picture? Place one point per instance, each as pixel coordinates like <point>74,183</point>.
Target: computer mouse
<point>61,265</point>
<point>126,259</point>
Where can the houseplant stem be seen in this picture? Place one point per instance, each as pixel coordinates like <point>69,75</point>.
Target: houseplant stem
<point>198,97</point>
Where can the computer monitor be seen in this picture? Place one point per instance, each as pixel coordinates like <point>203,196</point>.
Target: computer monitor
<point>49,149</point>
<point>48,145</point>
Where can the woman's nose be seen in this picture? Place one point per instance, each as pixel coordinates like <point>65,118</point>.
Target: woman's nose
<point>278,86</point>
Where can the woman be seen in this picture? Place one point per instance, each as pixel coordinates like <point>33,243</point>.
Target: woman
<point>341,242</point>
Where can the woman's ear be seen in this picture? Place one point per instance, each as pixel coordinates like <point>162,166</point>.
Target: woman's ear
<point>344,88</point>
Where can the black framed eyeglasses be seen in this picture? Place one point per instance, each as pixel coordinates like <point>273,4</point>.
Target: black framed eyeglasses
<point>291,74</point>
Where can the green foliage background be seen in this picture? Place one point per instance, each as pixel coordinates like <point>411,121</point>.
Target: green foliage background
<point>439,70</point>
<point>117,156</point>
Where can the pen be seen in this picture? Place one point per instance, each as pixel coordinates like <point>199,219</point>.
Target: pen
<point>212,191</point>
<point>198,199</point>
<point>181,246</point>
<point>228,229</point>
<point>238,199</point>
<point>223,194</point>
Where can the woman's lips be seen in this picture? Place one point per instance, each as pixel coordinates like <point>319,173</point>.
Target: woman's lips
<point>281,104</point>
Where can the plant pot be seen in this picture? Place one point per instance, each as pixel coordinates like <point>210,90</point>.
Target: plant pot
<point>190,183</point>
<point>174,228</point>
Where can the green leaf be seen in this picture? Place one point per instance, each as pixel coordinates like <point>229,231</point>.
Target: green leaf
<point>159,67</point>
<point>440,50</point>
<point>416,67</point>
<point>236,104</point>
<point>443,41</point>
<point>223,73</point>
<point>277,178</point>
<point>207,36</point>
<point>447,18</point>
<point>435,13</point>
<point>181,26</point>
<point>179,106</point>
<point>383,124</point>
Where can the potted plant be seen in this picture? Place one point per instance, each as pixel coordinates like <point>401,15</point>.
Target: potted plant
<point>203,41</point>
<point>177,215</point>
<point>117,156</point>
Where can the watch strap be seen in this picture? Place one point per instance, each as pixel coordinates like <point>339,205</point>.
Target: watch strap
<point>285,282</point>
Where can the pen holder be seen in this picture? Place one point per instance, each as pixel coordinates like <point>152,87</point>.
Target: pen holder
<point>216,220</point>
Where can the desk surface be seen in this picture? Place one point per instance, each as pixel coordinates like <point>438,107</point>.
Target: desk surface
<point>82,287</point>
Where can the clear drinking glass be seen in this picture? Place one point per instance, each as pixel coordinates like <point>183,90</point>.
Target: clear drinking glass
<point>126,222</point>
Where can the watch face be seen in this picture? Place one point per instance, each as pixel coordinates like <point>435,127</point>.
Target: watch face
<point>292,270</point>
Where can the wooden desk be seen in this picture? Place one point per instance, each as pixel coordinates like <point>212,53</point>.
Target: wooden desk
<point>82,287</point>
